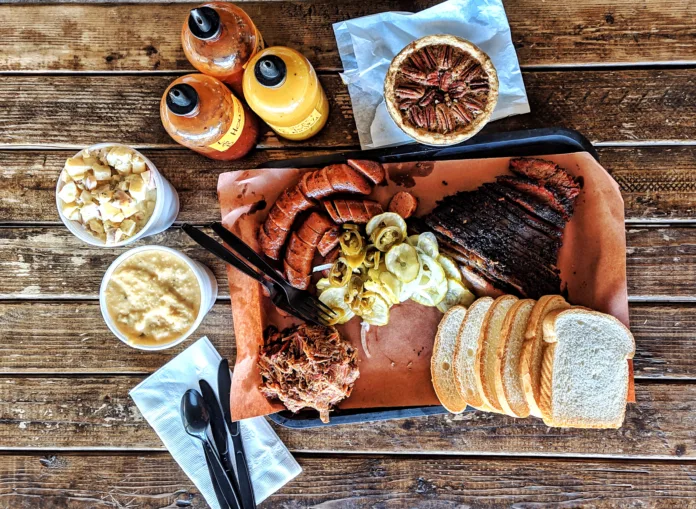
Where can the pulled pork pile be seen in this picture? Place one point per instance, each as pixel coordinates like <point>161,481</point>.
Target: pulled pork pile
<point>307,366</point>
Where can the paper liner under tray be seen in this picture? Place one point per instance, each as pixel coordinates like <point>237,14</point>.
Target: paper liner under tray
<point>592,263</point>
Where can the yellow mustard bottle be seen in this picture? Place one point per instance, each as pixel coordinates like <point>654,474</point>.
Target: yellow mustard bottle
<point>281,87</point>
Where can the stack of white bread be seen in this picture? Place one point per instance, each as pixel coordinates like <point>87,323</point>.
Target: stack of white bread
<point>546,358</point>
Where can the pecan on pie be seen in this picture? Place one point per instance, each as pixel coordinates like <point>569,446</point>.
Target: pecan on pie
<point>441,89</point>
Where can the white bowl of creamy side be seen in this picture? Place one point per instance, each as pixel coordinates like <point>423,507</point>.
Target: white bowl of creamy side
<point>111,195</point>
<point>154,297</point>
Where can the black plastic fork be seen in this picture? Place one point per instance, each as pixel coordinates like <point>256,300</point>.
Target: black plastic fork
<point>298,303</point>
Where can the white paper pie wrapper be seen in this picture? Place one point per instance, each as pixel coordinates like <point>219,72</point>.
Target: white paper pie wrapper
<point>367,46</point>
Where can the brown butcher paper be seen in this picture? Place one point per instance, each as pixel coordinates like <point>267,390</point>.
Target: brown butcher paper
<point>397,373</point>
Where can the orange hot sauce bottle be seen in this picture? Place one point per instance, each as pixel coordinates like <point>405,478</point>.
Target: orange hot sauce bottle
<point>200,112</point>
<point>282,88</point>
<point>219,39</point>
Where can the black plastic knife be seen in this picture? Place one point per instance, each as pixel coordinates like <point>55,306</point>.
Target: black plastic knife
<point>216,487</point>
<point>217,426</point>
<point>224,387</point>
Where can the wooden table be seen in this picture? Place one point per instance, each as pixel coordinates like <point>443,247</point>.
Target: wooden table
<point>621,71</point>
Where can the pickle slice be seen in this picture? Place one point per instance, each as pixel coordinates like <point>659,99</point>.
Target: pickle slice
<point>427,242</point>
<point>386,237</point>
<point>450,268</point>
<point>391,285</point>
<point>403,262</point>
<point>339,273</point>
<point>378,288</point>
<point>378,312</point>
<point>355,261</point>
<point>323,284</point>
<point>431,295</point>
<point>334,297</point>
<point>412,240</point>
<point>386,219</point>
<point>457,294</point>
<point>433,274</point>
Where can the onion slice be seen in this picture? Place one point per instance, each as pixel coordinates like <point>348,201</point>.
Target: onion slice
<point>364,329</point>
<point>319,268</point>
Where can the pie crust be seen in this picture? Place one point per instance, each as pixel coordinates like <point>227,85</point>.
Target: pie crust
<point>433,71</point>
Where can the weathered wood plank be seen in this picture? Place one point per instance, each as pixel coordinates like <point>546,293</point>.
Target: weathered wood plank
<point>96,411</point>
<point>32,332</point>
<point>28,181</point>
<point>49,262</point>
<point>657,183</point>
<point>152,481</point>
<point>75,269</point>
<point>607,106</point>
<point>665,337</point>
<point>69,111</point>
<point>105,39</point>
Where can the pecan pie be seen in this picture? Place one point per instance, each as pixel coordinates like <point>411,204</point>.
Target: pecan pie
<point>441,89</point>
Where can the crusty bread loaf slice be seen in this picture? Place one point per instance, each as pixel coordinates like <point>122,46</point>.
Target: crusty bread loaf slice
<point>484,368</point>
<point>584,379</point>
<point>531,355</point>
<point>442,361</point>
<point>508,385</point>
<point>466,349</point>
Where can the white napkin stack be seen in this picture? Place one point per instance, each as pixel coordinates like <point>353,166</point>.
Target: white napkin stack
<point>158,397</point>
<point>367,46</point>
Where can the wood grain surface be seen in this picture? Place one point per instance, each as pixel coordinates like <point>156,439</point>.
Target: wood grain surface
<point>155,481</point>
<point>84,72</point>
<point>49,262</point>
<point>625,106</point>
<point>652,190</point>
<point>96,412</point>
<point>665,337</point>
<point>105,37</point>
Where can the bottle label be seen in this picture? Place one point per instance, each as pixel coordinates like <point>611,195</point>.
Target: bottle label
<point>304,126</point>
<point>235,130</point>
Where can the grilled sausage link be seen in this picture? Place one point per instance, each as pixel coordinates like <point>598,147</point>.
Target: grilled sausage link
<point>300,251</point>
<point>404,204</point>
<point>353,211</point>
<point>314,185</point>
<point>280,218</point>
<point>370,169</point>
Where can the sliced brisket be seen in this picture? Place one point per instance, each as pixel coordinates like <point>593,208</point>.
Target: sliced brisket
<point>509,232</point>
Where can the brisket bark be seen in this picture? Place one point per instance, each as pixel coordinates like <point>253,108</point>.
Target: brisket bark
<point>509,232</point>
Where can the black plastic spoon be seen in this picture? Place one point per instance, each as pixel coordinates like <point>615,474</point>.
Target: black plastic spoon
<point>196,419</point>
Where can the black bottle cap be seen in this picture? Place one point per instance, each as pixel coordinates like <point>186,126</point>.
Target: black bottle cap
<point>270,71</point>
<point>204,22</point>
<point>182,99</point>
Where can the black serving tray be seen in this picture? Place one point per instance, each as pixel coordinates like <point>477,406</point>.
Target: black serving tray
<point>530,142</point>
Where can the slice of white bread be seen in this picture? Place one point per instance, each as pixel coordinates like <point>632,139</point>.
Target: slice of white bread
<point>466,349</point>
<point>508,385</point>
<point>531,355</point>
<point>441,368</point>
<point>484,368</point>
<point>584,379</point>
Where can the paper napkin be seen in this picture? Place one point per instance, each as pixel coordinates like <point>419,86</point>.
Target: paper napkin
<point>159,396</point>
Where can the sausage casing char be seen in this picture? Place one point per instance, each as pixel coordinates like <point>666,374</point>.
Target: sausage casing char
<point>404,204</point>
<point>318,231</point>
<point>370,169</point>
<point>277,226</point>
<point>329,240</point>
<point>344,179</point>
<point>300,251</point>
<point>351,210</point>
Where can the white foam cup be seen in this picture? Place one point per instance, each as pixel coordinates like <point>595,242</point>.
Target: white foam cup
<point>163,216</point>
<point>206,282</point>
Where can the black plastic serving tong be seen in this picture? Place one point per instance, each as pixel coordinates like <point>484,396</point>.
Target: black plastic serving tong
<point>298,303</point>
